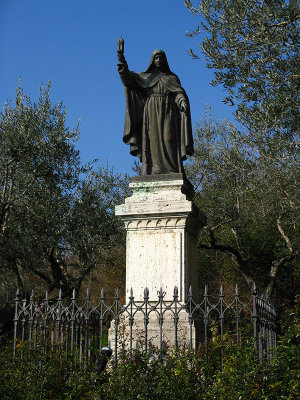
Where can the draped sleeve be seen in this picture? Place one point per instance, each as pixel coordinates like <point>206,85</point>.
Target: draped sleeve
<point>135,102</point>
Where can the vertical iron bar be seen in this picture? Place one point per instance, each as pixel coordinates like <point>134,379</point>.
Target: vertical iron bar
<point>16,317</point>
<point>80,337</point>
<point>237,314</point>
<point>260,329</point>
<point>61,333</point>
<point>31,311</point>
<point>116,316</point>
<point>101,318</point>
<point>73,299</point>
<point>77,337</point>
<point>221,320</point>
<point>35,322</point>
<point>30,318</point>
<point>86,321</point>
<point>67,339</point>
<point>24,318</point>
<point>160,317</point>
<point>190,316</point>
<point>254,316</point>
<point>206,313</point>
<point>176,316</point>
<point>58,316</point>
<point>146,317</point>
<point>131,299</point>
<point>44,320</point>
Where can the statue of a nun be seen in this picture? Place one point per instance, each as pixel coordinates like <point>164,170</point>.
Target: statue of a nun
<point>157,120</point>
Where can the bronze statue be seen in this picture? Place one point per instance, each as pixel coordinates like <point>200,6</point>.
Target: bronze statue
<point>157,120</point>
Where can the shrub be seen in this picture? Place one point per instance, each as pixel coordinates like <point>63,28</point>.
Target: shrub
<point>180,374</point>
<point>42,374</point>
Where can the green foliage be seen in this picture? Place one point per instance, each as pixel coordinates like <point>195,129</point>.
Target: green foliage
<point>43,376</point>
<point>248,187</point>
<point>253,47</point>
<point>248,180</point>
<point>57,220</point>
<point>181,374</point>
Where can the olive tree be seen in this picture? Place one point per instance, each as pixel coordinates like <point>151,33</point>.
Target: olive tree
<point>249,190</point>
<point>253,48</point>
<point>56,215</point>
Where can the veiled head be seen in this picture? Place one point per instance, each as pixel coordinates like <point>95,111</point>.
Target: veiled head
<point>159,61</point>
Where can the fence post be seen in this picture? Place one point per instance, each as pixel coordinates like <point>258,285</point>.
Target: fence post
<point>58,316</point>
<point>116,318</point>
<point>146,316</point>
<point>205,317</point>
<point>176,316</point>
<point>160,316</point>
<point>131,319</point>
<point>190,304</point>
<point>87,348</point>
<point>16,322</point>
<point>237,313</point>
<point>254,315</point>
<point>72,319</point>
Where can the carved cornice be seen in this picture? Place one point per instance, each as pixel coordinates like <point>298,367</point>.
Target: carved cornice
<point>154,223</point>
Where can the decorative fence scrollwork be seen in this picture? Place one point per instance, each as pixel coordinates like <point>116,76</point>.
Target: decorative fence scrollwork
<point>82,330</point>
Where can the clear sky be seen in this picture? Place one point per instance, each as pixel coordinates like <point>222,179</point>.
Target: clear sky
<point>73,44</point>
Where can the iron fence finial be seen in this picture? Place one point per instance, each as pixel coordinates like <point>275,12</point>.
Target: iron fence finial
<point>17,295</point>
<point>236,290</point>
<point>146,293</point>
<point>206,290</point>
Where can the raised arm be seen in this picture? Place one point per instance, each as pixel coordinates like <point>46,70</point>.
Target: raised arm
<point>125,74</point>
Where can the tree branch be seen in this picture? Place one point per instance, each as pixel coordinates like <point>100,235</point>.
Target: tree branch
<point>285,237</point>
<point>41,275</point>
<point>240,261</point>
<point>277,264</point>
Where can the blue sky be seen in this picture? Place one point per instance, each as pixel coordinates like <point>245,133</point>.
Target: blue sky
<point>73,44</point>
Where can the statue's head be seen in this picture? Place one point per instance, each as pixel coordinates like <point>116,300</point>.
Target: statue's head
<point>159,62</point>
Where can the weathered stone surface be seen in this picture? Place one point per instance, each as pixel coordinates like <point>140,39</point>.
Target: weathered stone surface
<point>162,225</point>
<point>158,336</point>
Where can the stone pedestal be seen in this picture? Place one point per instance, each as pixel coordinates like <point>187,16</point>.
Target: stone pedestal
<point>162,224</point>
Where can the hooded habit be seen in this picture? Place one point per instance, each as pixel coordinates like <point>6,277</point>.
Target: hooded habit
<point>155,128</point>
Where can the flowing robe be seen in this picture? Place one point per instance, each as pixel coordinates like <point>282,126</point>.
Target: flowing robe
<point>155,128</point>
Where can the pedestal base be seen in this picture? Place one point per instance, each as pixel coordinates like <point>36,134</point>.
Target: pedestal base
<point>152,333</point>
<point>162,224</point>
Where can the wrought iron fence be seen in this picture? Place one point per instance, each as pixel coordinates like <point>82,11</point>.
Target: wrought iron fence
<point>83,330</point>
